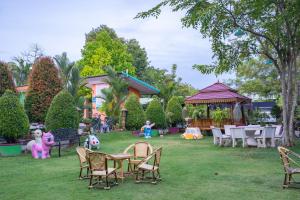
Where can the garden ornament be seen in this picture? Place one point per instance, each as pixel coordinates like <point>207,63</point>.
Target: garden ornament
<point>92,142</point>
<point>147,129</point>
<point>41,151</point>
<point>37,139</point>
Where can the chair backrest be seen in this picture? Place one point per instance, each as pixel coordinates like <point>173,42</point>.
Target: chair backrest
<point>227,129</point>
<point>269,132</point>
<point>97,161</point>
<point>238,132</point>
<point>142,149</point>
<point>278,131</point>
<point>216,132</point>
<point>81,152</point>
<point>283,152</point>
<point>156,155</point>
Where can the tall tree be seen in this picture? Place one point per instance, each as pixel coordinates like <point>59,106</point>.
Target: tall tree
<point>115,95</point>
<point>240,30</point>
<point>44,84</point>
<point>69,73</point>
<point>139,55</point>
<point>6,80</point>
<point>256,78</point>
<point>20,69</point>
<point>102,49</point>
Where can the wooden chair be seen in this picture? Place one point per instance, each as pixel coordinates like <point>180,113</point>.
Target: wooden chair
<point>146,166</point>
<point>99,169</point>
<point>238,133</point>
<point>82,156</point>
<point>141,150</point>
<point>291,165</point>
<point>219,138</point>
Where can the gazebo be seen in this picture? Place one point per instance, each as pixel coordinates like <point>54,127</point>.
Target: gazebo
<point>214,95</point>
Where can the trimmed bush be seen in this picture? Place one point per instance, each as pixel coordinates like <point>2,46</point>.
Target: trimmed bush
<point>174,111</point>
<point>155,113</point>
<point>62,112</point>
<point>6,79</point>
<point>135,114</point>
<point>14,122</point>
<point>44,84</point>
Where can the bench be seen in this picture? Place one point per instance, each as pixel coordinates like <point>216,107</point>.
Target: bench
<point>65,137</point>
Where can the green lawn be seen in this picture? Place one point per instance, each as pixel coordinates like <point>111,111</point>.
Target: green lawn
<point>190,170</point>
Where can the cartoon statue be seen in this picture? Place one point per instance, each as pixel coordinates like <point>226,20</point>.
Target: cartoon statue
<point>147,129</point>
<point>41,151</point>
<point>37,139</point>
<point>91,141</point>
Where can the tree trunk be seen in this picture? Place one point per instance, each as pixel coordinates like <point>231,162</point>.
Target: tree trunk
<point>289,85</point>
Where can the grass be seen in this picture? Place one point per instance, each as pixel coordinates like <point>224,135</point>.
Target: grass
<point>190,170</point>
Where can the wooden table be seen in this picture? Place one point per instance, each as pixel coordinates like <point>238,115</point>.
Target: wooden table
<point>120,157</point>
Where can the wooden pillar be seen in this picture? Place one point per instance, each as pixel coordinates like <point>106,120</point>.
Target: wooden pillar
<point>243,114</point>
<point>207,111</point>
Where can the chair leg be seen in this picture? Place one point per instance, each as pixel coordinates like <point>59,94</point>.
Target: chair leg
<point>285,185</point>
<point>137,180</point>
<point>80,173</point>
<point>153,177</point>
<point>91,182</point>
<point>106,182</point>
<point>116,178</point>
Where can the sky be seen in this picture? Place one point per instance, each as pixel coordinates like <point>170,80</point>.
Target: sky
<point>60,25</point>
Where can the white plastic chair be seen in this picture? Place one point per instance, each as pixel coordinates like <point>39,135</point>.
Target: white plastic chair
<point>238,134</point>
<point>279,137</point>
<point>227,129</point>
<point>267,134</point>
<point>219,137</point>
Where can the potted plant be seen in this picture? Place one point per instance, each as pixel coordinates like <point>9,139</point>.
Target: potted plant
<point>219,115</point>
<point>14,123</point>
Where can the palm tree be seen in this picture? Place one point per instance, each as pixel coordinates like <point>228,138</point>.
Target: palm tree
<point>65,67</point>
<point>20,69</point>
<point>115,95</point>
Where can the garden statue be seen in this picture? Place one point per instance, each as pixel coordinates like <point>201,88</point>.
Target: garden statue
<point>41,151</point>
<point>147,129</point>
<point>37,139</point>
<point>92,141</point>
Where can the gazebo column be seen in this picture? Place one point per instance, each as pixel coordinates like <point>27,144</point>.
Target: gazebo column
<point>207,111</point>
<point>243,114</point>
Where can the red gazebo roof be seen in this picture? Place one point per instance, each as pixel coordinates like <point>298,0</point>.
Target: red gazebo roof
<point>217,93</point>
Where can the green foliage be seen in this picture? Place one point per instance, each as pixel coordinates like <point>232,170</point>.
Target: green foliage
<point>6,80</point>
<point>139,55</point>
<point>155,113</point>
<point>14,122</point>
<point>196,112</point>
<point>44,84</point>
<point>102,49</point>
<point>174,111</point>
<point>135,114</point>
<point>62,112</point>
<point>276,112</point>
<point>256,116</point>
<point>254,77</point>
<point>20,69</point>
<point>219,115</point>
<point>114,95</point>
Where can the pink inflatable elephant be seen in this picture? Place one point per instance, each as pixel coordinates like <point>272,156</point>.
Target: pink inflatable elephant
<point>41,151</point>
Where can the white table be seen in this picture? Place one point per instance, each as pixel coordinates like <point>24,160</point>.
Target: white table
<point>251,134</point>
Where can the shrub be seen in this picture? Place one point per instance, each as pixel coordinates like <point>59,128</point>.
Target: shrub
<point>14,121</point>
<point>174,111</point>
<point>6,79</point>
<point>155,113</point>
<point>44,84</point>
<point>135,114</point>
<point>219,115</point>
<point>62,112</point>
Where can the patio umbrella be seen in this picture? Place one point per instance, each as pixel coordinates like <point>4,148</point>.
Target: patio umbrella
<point>237,112</point>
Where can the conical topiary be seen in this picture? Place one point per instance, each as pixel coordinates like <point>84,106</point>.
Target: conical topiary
<point>155,113</point>
<point>135,114</point>
<point>62,112</point>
